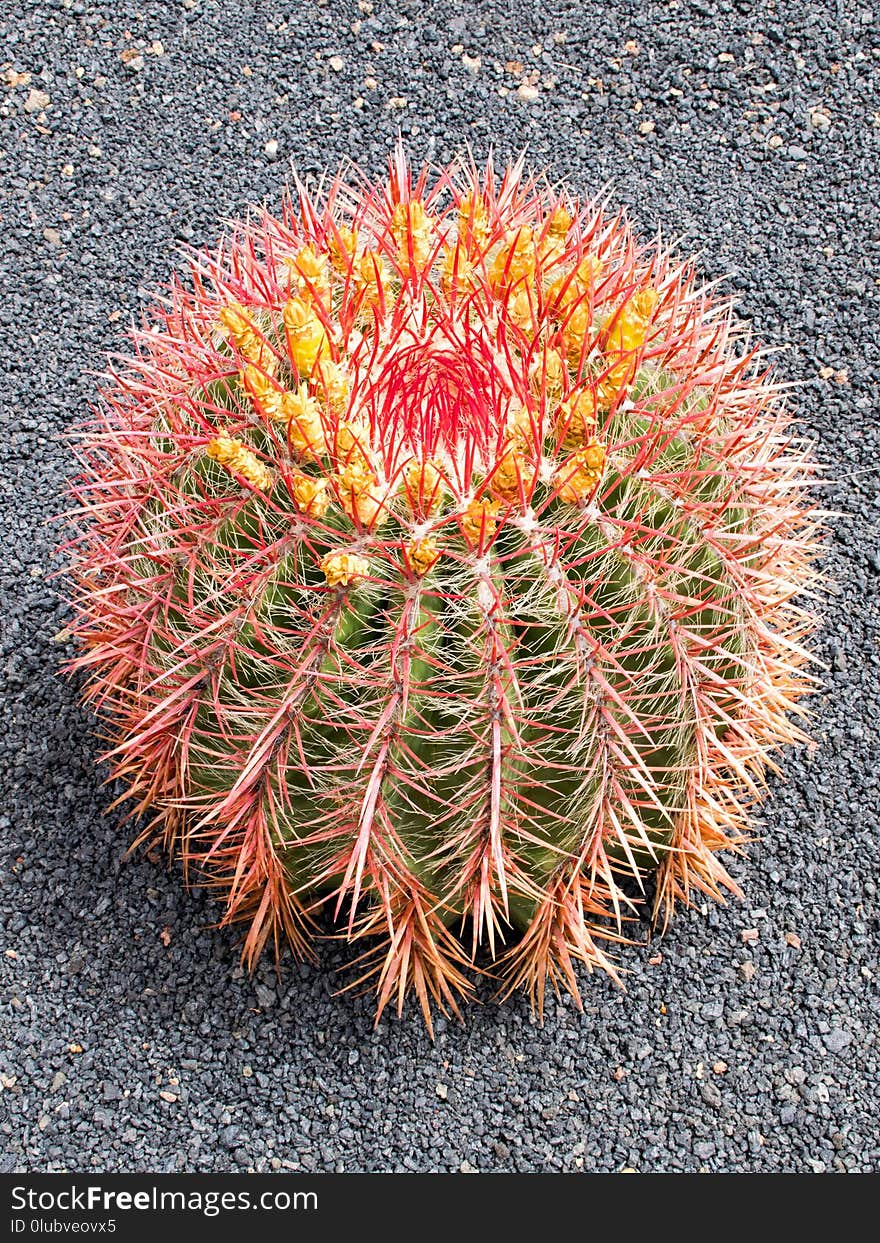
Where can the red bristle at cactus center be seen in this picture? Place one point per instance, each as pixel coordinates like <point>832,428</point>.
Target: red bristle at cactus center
<point>437,572</point>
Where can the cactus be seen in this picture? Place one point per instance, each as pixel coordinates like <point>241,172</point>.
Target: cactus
<point>438,568</point>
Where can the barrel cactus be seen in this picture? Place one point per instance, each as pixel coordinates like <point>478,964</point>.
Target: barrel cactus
<point>438,571</point>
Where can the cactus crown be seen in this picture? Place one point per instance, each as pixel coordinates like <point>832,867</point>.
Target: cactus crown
<point>438,559</point>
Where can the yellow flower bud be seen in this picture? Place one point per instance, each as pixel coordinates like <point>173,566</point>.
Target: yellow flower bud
<point>412,229</point>
<point>575,331</point>
<point>548,373</point>
<point>520,308</point>
<point>576,419</point>
<point>525,429</point>
<point>478,521</point>
<point>508,479</point>
<point>425,486</point>
<point>361,496</point>
<point>371,275</point>
<point>560,222</point>
<point>515,260</point>
<point>351,443</point>
<point>333,381</point>
<point>306,336</point>
<point>342,568</point>
<point>422,555</point>
<point>626,335</point>
<point>578,476</point>
<point>238,459</point>
<point>265,394</point>
<point>312,271</point>
<point>252,346</point>
<point>310,495</point>
<point>305,428</point>
<point>570,287</point>
<point>457,271</point>
<point>343,248</point>
<point>473,222</point>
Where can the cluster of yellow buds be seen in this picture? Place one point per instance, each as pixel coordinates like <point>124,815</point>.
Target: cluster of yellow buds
<point>238,459</point>
<point>247,338</point>
<point>310,495</point>
<point>342,568</point>
<point>576,419</point>
<point>306,336</point>
<point>422,555</point>
<point>577,477</point>
<point>413,231</point>
<point>478,521</point>
<point>425,486</point>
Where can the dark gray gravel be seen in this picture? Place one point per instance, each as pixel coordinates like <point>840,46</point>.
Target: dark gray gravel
<point>130,1038</point>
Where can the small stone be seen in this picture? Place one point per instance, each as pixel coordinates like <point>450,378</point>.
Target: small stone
<point>247,1071</point>
<point>170,1097</point>
<point>792,939</point>
<point>336,63</point>
<point>749,936</point>
<point>467,1168</point>
<point>719,1068</point>
<point>526,91</point>
<point>58,1079</point>
<point>156,48</point>
<point>775,141</point>
<point>442,1091</point>
<point>36,101</point>
<point>797,153</point>
<point>837,1039</point>
<point>132,59</point>
<point>473,63</point>
<point>271,149</point>
<point>820,119</point>
<point>787,1116</point>
<point>647,127</point>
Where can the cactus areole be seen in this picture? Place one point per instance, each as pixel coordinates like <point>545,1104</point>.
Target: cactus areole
<point>436,570</point>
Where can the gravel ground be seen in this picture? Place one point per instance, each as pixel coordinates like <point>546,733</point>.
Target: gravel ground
<point>131,1040</point>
